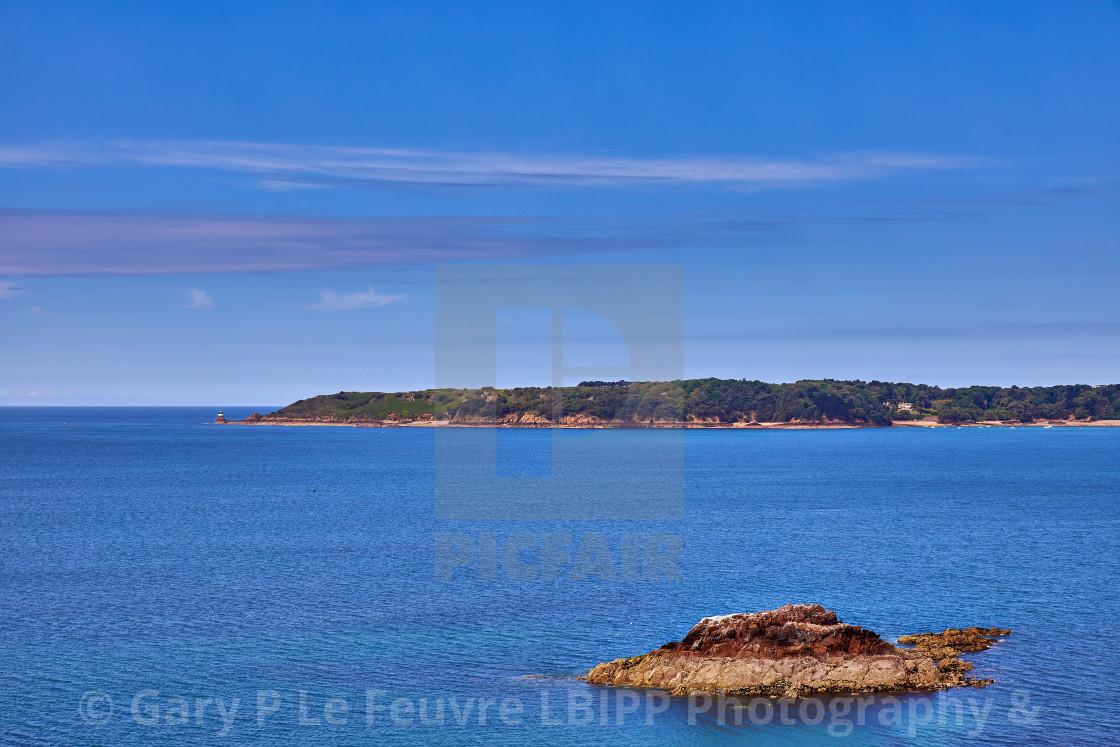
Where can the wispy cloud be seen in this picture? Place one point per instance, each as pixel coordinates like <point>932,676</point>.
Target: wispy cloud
<point>975,331</point>
<point>8,290</point>
<point>280,166</point>
<point>331,301</point>
<point>198,299</point>
<point>57,242</point>
<point>91,243</point>
<point>35,311</point>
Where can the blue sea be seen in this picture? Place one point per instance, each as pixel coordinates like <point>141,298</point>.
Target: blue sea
<point>167,581</point>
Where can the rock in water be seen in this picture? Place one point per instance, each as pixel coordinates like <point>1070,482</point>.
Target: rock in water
<point>797,650</point>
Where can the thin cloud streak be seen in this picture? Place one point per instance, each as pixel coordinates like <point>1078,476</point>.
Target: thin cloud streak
<point>47,243</point>
<point>978,331</point>
<point>285,166</point>
<point>8,290</point>
<point>51,243</point>
<point>331,301</point>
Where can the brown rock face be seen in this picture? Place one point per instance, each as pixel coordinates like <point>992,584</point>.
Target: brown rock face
<point>954,640</point>
<point>793,630</point>
<point>796,650</point>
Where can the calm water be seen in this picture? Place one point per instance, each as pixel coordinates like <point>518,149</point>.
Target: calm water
<point>145,552</point>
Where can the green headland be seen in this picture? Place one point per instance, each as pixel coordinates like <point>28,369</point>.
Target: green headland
<point>713,402</point>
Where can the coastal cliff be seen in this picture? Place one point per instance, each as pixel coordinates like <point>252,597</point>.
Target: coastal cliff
<point>794,651</point>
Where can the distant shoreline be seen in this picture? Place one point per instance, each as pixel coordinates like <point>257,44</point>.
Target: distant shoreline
<point>711,403</point>
<point>674,425</point>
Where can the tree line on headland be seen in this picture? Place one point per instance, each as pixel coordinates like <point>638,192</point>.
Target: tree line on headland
<point>718,401</point>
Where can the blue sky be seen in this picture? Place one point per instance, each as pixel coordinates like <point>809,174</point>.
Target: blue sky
<point>244,204</point>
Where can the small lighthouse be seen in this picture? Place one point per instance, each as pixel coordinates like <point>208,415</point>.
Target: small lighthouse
<point>221,417</point>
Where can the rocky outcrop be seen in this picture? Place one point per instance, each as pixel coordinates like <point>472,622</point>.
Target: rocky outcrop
<point>945,648</point>
<point>525,418</point>
<point>581,419</point>
<point>797,650</point>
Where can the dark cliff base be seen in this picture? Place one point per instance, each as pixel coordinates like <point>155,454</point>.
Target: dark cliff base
<point>693,424</point>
